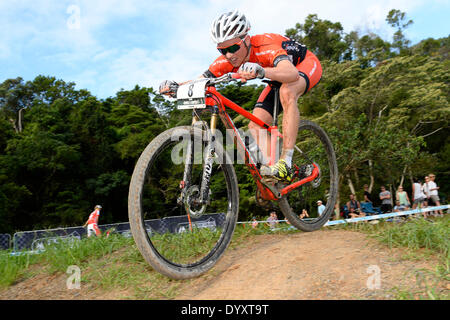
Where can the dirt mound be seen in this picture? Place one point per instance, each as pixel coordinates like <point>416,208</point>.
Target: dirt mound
<point>326,264</point>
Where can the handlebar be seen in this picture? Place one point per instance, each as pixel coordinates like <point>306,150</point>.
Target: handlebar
<point>228,77</point>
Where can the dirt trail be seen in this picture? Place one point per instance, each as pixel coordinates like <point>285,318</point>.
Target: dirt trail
<point>326,264</point>
<point>319,265</point>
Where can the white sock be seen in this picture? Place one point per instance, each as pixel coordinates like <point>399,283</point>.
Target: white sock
<point>288,156</point>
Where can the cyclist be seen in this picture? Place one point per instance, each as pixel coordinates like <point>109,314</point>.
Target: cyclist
<point>92,222</point>
<point>267,55</point>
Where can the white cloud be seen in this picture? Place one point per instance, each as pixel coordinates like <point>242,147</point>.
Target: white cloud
<point>173,42</point>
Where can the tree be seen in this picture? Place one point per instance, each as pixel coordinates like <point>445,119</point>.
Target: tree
<point>323,37</point>
<point>397,19</point>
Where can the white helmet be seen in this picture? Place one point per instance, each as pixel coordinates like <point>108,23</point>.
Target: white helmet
<point>228,26</point>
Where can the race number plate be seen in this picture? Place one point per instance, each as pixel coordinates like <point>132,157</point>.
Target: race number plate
<point>192,95</point>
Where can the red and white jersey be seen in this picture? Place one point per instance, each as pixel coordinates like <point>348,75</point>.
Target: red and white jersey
<point>265,49</point>
<point>93,217</point>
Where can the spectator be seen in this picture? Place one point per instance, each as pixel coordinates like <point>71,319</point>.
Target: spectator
<point>355,213</point>
<point>418,196</point>
<point>304,214</point>
<point>353,204</point>
<point>385,197</point>
<point>426,191</point>
<point>402,196</point>
<point>354,208</point>
<point>433,192</point>
<point>367,195</point>
<point>399,206</point>
<point>320,207</point>
<point>254,223</point>
<point>272,220</point>
<point>92,222</point>
<point>337,212</point>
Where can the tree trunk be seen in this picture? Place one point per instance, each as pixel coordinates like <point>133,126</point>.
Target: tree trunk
<point>372,179</point>
<point>350,185</point>
<point>403,177</point>
<point>356,176</point>
<point>13,122</point>
<point>20,119</point>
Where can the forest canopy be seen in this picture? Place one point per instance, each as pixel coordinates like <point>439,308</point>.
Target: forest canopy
<point>384,103</point>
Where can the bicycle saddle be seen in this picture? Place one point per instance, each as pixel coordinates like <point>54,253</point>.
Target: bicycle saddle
<point>273,84</point>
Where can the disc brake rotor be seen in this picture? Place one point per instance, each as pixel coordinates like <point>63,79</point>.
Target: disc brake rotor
<point>191,202</point>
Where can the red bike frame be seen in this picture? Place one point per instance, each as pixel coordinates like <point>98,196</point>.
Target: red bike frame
<point>212,97</point>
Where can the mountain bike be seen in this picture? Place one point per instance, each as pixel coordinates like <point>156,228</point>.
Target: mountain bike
<point>183,198</point>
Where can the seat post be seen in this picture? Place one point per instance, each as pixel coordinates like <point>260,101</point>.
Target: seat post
<point>276,104</point>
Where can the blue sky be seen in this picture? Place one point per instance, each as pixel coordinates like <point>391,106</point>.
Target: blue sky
<point>106,45</point>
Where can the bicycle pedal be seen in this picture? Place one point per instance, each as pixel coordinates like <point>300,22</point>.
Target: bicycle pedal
<point>269,180</point>
<point>272,184</point>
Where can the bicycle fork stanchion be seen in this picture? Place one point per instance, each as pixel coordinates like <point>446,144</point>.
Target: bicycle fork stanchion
<point>209,160</point>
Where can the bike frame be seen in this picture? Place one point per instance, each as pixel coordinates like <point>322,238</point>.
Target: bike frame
<point>267,192</point>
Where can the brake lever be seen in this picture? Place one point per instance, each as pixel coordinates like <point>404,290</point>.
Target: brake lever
<point>228,77</point>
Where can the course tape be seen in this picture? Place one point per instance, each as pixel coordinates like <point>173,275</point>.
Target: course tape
<point>367,218</point>
<point>386,215</point>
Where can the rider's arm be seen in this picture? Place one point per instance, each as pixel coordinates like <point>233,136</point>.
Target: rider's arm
<point>284,72</point>
<point>201,77</point>
<point>170,87</point>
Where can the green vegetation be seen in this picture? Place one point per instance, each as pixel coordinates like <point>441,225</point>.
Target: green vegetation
<point>385,105</point>
<point>114,263</point>
<point>422,239</point>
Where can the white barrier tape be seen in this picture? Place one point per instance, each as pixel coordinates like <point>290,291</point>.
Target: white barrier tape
<point>366,218</point>
<point>387,215</point>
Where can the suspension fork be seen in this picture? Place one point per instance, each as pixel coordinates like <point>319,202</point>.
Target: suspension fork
<point>210,155</point>
<point>189,160</point>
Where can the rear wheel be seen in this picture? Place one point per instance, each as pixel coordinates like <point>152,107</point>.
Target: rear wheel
<point>179,236</point>
<point>300,205</point>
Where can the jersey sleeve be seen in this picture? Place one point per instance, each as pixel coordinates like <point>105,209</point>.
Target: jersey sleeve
<point>268,49</point>
<point>219,67</point>
<point>269,56</point>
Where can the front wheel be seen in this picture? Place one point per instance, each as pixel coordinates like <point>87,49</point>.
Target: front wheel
<point>176,234</point>
<point>300,206</point>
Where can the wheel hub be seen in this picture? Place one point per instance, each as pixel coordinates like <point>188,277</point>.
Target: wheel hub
<point>192,202</point>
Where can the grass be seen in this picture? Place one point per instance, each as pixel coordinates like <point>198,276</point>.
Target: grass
<point>423,239</point>
<point>431,236</point>
<point>114,264</point>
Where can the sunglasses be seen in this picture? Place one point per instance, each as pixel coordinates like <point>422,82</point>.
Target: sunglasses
<point>231,49</point>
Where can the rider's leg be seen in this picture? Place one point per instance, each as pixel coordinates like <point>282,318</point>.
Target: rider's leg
<point>261,136</point>
<point>289,94</point>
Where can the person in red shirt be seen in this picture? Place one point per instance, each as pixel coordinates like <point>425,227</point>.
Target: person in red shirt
<point>271,56</point>
<point>92,222</point>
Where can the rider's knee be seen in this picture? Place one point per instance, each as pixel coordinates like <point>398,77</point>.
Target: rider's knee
<point>289,93</point>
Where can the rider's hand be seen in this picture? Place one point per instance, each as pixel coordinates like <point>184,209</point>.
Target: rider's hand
<point>169,88</point>
<point>250,70</point>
